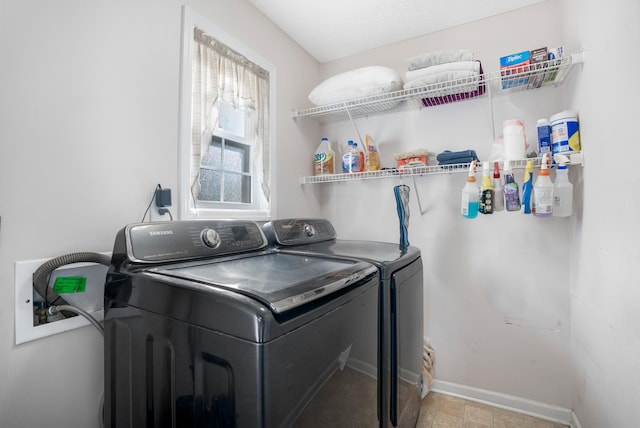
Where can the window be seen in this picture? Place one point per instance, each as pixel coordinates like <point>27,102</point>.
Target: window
<point>225,172</point>
<point>226,131</point>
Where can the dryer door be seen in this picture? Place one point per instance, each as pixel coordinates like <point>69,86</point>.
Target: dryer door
<point>406,335</point>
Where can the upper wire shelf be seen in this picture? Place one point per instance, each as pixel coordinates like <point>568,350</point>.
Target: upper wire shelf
<point>541,74</point>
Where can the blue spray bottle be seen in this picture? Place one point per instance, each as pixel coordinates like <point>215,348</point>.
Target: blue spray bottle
<point>527,187</point>
<point>470,194</point>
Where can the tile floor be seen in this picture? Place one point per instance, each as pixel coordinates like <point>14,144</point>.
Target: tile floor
<point>444,411</point>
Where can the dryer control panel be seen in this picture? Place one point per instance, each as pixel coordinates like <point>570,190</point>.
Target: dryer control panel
<point>298,231</point>
<point>192,239</point>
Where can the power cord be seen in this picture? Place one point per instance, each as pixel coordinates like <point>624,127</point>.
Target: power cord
<point>164,211</point>
<point>54,310</point>
<point>150,202</point>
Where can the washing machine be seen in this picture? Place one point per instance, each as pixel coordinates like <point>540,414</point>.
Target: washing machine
<point>206,325</point>
<point>401,305</point>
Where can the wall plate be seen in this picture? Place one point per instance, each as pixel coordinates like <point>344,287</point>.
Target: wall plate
<point>92,300</point>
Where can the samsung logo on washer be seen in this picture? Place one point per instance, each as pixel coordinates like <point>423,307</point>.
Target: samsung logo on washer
<point>160,232</point>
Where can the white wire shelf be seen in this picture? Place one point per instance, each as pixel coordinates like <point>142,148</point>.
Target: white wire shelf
<point>574,159</point>
<point>546,73</point>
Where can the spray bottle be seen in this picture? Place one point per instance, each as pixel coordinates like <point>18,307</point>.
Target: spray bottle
<point>511,190</point>
<point>470,194</point>
<point>543,190</point>
<point>562,189</point>
<point>498,192</point>
<point>486,191</point>
<point>527,187</point>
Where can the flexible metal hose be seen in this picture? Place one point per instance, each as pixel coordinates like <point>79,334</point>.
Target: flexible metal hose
<point>54,310</point>
<point>42,274</point>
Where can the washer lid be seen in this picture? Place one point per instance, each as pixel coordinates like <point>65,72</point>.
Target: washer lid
<point>281,281</point>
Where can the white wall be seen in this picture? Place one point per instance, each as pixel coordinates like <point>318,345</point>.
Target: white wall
<point>605,308</point>
<point>88,127</point>
<point>497,309</point>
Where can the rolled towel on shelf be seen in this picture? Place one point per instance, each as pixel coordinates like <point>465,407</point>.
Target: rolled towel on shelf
<point>461,66</point>
<point>449,158</point>
<point>449,82</point>
<point>428,59</point>
<point>452,81</point>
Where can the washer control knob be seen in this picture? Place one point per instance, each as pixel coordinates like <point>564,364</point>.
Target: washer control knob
<point>309,230</point>
<point>211,238</point>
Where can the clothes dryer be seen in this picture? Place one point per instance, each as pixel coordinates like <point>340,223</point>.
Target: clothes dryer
<point>401,305</point>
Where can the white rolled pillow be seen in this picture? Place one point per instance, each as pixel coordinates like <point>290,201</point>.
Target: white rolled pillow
<point>357,83</point>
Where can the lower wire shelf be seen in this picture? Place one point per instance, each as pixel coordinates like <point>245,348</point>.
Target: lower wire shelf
<point>574,159</point>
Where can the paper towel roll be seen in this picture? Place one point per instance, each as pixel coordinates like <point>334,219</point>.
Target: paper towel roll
<point>514,139</point>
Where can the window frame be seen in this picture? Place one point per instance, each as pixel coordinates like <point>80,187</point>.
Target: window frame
<point>258,209</point>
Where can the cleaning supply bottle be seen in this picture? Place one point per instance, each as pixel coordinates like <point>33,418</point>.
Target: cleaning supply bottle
<point>543,190</point>
<point>470,194</point>
<point>360,153</point>
<point>498,192</point>
<point>562,189</point>
<point>511,189</point>
<point>486,191</point>
<point>350,159</point>
<point>372,157</point>
<point>324,158</point>
<point>544,137</point>
<point>527,187</point>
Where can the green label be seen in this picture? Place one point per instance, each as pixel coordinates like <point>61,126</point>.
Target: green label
<point>70,284</point>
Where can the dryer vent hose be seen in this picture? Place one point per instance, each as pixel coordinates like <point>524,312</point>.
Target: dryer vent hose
<point>43,273</point>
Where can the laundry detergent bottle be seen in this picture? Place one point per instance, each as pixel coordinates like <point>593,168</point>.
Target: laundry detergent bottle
<point>543,190</point>
<point>372,157</point>
<point>470,194</point>
<point>351,159</point>
<point>361,156</point>
<point>324,158</point>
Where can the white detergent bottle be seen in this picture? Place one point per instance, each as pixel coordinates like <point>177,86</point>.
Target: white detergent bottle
<point>543,190</point>
<point>470,194</point>
<point>562,189</point>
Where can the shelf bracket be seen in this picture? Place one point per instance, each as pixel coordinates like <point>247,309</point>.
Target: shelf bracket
<point>415,186</point>
<point>353,123</point>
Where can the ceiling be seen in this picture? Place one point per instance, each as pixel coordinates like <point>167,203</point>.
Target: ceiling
<point>333,29</point>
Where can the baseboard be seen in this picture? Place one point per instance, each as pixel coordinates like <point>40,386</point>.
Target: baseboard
<point>509,402</point>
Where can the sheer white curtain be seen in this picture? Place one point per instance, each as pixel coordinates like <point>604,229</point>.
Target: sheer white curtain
<point>222,75</point>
